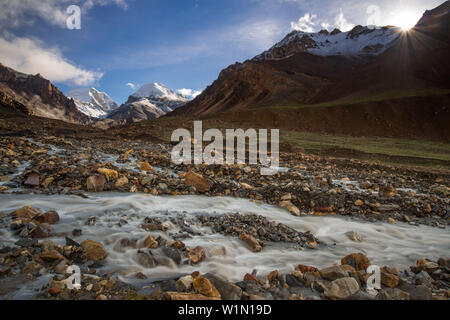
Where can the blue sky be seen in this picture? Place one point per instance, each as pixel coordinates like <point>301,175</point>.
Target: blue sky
<point>180,43</point>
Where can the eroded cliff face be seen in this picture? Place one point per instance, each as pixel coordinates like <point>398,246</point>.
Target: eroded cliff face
<point>38,96</point>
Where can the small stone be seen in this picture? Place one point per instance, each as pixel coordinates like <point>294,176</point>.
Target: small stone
<point>359,203</point>
<point>151,243</point>
<point>354,236</point>
<point>54,291</point>
<point>391,221</point>
<point>251,241</point>
<point>145,166</point>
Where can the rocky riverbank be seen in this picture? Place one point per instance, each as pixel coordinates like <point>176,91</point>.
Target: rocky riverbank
<point>307,186</point>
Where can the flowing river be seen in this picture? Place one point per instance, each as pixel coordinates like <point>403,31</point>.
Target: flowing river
<point>385,244</point>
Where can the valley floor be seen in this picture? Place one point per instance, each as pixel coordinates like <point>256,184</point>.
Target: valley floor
<point>140,227</point>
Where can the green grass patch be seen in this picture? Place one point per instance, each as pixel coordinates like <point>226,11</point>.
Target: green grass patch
<point>372,145</point>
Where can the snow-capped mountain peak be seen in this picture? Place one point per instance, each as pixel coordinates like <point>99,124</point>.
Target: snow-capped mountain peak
<point>92,102</point>
<point>360,41</point>
<point>160,91</point>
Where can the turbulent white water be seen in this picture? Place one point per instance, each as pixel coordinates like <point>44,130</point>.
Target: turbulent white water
<point>385,244</point>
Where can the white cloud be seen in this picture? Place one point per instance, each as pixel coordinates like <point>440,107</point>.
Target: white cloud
<point>131,85</point>
<point>305,23</point>
<point>189,92</point>
<point>342,24</point>
<point>28,55</point>
<point>15,13</point>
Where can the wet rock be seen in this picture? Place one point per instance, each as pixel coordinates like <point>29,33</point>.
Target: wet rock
<point>173,254</point>
<point>27,212</point>
<point>426,265</point>
<point>423,278</point>
<point>203,286</point>
<point>196,180</point>
<point>354,236</point>
<point>227,290</point>
<point>77,232</point>
<point>146,260</point>
<point>420,292</point>
<point>333,273</point>
<point>41,232</point>
<point>150,242</point>
<point>251,241</point>
<point>357,260</point>
<point>342,288</point>
<point>95,251</point>
<point>52,256</point>
<point>389,280</point>
<point>184,284</point>
<point>26,243</point>
<point>50,217</point>
<point>196,255</point>
<point>96,183</point>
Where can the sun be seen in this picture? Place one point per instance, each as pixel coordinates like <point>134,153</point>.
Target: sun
<point>406,19</point>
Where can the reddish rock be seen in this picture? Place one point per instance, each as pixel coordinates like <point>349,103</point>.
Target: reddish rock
<point>196,180</point>
<point>305,269</point>
<point>357,260</point>
<point>205,287</point>
<point>251,241</point>
<point>196,255</point>
<point>54,291</point>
